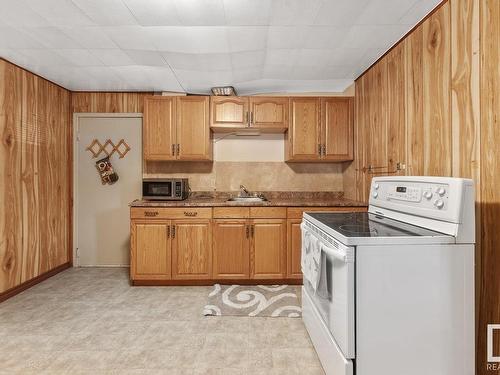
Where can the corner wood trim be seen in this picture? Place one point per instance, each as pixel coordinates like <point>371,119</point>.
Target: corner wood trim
<point>28,284</point>
<point>215,281</point>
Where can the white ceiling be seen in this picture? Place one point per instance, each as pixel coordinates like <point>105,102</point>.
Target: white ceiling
<point>257,46</point>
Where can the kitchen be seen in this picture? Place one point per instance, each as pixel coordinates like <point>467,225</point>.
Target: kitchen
<point>322,100</point>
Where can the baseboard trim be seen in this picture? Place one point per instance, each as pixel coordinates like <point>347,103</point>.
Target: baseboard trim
<point>212,282</point>
<point>28,284</point>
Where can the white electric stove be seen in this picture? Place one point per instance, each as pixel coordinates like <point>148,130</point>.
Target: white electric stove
<point>391,291</point>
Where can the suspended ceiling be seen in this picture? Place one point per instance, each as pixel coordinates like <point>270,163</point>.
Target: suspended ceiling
<point>257,46</point>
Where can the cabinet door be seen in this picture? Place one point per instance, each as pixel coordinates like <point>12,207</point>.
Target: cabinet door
<point>228,113</point>
<point>151,252</point>
<point>294,253</point>
<point>269,113</point>
<point>158,128</point>
<point>268,251</point>
<point>193,130</point>
<point>191,249</point>
<point>337,128</point>
<point>231,249</point>
<point>304,133</point>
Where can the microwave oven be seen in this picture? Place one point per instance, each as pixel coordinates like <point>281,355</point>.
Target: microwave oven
<point>165,189</point>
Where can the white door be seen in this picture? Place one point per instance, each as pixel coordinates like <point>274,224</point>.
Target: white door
<point>102,211</point>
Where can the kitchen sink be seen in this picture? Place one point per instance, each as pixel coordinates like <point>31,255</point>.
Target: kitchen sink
<point>247,199</point>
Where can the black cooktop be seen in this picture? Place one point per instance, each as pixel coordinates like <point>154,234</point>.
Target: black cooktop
<point>363,224</point>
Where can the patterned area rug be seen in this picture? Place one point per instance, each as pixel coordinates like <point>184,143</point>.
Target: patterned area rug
<point>254,300</point>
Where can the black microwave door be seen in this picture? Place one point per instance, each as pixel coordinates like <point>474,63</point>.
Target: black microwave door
<point>157,189</point>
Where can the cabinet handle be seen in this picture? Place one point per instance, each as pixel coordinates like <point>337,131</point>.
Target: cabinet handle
<point>173,149</point>
<point>247,118</point>
<point>248,231</point>
<point>319,149</point>
<point>173,231</point>
<point>252,230</point>
<point>151,213</point>
<point>251,118</point>
<point>323,150</point>
<point>190,213</point>
<point>178,149</point>
<point>168,231</point>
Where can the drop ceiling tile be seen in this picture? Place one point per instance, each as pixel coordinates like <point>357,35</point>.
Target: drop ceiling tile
<point>247,74</point>
<point>247,59</point>
<point>149,78</point>
<point>16,39</point>
<point>192,39</point>
<point>106,12</point>
<point>286,37</point>
<point>308,73</point>
<point>60,12</point>
<point>340,12</point>
<point>202,62</point>
<point>294,12</point>
<point>247,12</point>
<point>313,57</point>
<point>419,10</point>
<point>112,57</point>
<point>44,57</point>
<point>247,38</point>
<point>89,37</point>
<point>337,72</point>
<point>277,71</point>
<point>154,12</point>
<point>51,37</point>
<point>325,36</point>
<point>201,12</point>
<point>17,13</point>
<point>198,81</point>
<point>148,58</point>
<point>79,57</point>
<point>281,56</point>
<point>346,56</point>
<point>130,37</point>
<point>373,36</point>
<point>383,12</point>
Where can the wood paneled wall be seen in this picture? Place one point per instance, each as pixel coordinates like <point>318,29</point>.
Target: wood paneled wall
<point>35,183</point>
<point>108,102</point>
<point>433,104</point>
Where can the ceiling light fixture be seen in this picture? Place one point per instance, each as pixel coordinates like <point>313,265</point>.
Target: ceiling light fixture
<point>224,91</point>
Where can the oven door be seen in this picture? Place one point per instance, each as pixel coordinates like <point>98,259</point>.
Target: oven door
<point>333,297</point>
<point>157,189</point>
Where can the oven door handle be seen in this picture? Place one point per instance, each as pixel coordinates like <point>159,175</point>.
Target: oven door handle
<point>337,254</point>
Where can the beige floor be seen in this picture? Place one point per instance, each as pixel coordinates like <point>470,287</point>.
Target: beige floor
<point>90,321</point>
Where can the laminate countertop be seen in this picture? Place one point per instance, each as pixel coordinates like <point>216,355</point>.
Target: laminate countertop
<point>275,199</point>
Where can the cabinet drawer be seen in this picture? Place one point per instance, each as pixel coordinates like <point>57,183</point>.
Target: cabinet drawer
<point>268,212</point>
<point>231,212</point>
<point>296,212</point>
<point>170,213</point>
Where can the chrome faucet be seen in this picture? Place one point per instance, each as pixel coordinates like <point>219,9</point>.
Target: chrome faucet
<point>243,189</point>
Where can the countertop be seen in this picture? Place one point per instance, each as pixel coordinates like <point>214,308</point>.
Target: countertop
<point>275,199</point>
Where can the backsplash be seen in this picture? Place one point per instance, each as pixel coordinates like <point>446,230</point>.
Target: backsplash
<point>256,176</point>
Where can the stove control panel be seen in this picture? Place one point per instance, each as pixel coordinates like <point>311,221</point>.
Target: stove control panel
<point>418,194</point>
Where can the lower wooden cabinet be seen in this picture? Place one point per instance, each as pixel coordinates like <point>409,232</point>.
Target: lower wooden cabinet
<point>294,249</point>
<point>191,249</point>
<point>268,251</point>
<point>151,250</point>
<point>231,249</point>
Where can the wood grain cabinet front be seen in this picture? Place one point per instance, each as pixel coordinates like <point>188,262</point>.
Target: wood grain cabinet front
<point>321,129</point>
<point>151,250</point>
<point>228,113</point>
<point>176,128</point>
<point>231,249</point>
<point>268,250</point>
<point>191,249</point>
<point>269,114</point>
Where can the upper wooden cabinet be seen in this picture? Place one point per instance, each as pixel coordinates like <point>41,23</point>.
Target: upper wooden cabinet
<point>158,128</point>
<point>321,129</point>
<point>228,113</point>
<point>268,114</point>
<point>193,130</point>
<point>176,128</point>
<point>303,142</point>
<point>337,128</point>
